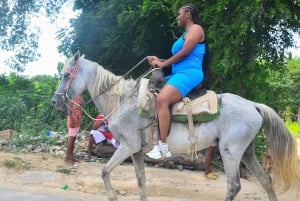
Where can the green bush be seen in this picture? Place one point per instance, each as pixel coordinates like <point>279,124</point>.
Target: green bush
<point>294,128</point>
<point>260,146</point>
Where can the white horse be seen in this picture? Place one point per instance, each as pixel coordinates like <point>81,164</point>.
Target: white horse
<point>234,130</point>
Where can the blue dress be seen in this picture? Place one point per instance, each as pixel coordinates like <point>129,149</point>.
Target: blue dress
<point>187,73</point>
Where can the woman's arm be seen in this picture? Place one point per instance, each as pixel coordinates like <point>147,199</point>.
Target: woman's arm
<point>193,36</point>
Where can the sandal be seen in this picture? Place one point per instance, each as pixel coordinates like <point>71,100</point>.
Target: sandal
<point>215,174</point>
<point>212,176</point>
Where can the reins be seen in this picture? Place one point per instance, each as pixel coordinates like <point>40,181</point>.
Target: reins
<point>109,88</point>
<point>122,77</point>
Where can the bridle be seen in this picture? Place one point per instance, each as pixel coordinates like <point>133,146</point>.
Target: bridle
<point>71,74</point>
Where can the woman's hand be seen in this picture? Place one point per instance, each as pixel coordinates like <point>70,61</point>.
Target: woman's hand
<point>154,61</point>
<point>152,58</point>
<point>157,63</point>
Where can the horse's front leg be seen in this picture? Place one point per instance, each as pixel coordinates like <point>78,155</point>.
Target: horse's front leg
<point>138,162</point>
<point>121,154</point>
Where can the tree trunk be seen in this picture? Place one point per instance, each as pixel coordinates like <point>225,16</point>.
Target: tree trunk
<point>180,161</point>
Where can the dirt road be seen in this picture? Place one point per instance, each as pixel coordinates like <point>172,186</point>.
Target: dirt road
<point>43,173</point>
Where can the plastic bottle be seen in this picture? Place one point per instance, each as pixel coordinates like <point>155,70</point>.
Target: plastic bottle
<point>65,186</point>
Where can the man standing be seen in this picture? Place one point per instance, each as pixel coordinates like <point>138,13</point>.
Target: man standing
<point>73,123</point>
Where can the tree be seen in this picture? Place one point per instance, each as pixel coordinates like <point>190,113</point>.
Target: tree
<point>247,39</point>
<point>293,66</point>
<point>118,34</point>
<point>18,36</point>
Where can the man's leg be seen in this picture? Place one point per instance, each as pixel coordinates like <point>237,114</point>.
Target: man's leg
<point>70,148</point>
<point>208,158</point>
<point>90,147</point>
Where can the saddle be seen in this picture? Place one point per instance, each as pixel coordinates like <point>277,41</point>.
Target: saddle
<point>202,108</point>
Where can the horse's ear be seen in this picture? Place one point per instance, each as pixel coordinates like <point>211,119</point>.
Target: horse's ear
<point>77,55</point>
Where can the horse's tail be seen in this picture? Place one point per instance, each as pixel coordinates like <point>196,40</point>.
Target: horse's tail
<point>283,149</point>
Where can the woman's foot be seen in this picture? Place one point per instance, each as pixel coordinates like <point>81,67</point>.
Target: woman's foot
<point>154,150</point>
<point>157,152</point>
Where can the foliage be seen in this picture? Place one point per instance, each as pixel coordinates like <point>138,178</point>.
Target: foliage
<point>294,128</point>
<point>285,87</point>
<point>247,39</point>
<point>64,170</point>
<point>260,145</point>
<point>293,70</point>
<point>17,163</point>
<point>18,36</point>
<point>118,34</point>
<point>26,108</point>
<point>25,105</point>
<point>240,41</point>
<point>9,164</point>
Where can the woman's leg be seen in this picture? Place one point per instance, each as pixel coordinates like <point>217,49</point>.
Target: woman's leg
<point>168,96</point>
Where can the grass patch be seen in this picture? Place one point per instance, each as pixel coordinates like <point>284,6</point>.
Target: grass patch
<point>294,128</point>
<point>44,158</point>
<point>17,163</point>
<point>9,164</point>
<point>63,170</point>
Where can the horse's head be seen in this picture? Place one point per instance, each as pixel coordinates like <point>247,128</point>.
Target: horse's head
<point>73,82</point>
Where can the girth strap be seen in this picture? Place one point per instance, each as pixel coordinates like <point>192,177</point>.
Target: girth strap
<point>193,143</point>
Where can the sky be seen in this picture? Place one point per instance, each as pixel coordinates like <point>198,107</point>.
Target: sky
<point>47,63</point>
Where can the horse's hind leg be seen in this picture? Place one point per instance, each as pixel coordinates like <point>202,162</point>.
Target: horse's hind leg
<point>255,168</point>
<point>138,162</point>
<point>122,153</point>
<point>231,167</point>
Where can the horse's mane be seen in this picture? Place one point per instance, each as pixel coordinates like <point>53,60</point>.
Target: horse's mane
<point>114,88</point>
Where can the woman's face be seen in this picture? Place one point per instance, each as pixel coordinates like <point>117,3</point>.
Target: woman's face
<point>182,17</point>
